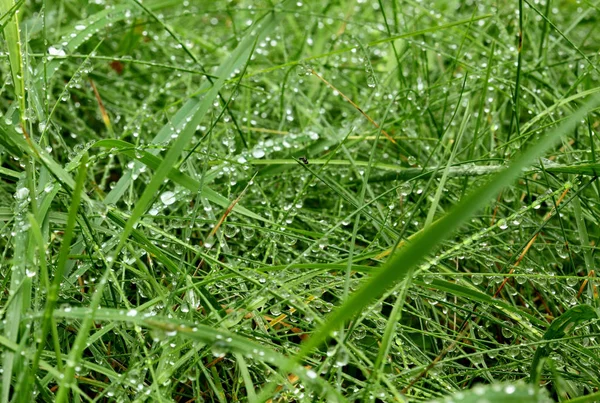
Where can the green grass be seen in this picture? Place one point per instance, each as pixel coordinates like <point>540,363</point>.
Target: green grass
<point>299,201</point>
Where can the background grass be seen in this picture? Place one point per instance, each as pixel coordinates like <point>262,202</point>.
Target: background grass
<point>192,190</point>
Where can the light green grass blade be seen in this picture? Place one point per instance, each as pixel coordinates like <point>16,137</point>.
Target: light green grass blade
<point>399,266</point>
<point>12,34</point>
<point>225,341</point>
<point>438,193</point>
<point>593,397</point>
<point>61,264</point>
<point>11,363</point>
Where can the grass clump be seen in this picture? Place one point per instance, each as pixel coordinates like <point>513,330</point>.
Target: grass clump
<point>299,201</point>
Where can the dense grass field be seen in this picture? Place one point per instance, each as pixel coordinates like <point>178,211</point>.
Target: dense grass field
<point>299,201</point>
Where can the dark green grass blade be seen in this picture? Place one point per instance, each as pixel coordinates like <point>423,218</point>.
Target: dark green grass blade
<point>559,328</point>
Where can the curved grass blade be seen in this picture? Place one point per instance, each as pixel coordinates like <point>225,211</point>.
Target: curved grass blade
<point>594,397</point>
<point>401,265</point>
<point>559,328</point>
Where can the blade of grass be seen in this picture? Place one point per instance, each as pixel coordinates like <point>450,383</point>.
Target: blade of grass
<point>63,255</point>
<point>560,327</point>
<point>12,35</point>
<point>438,193</point>
<point>498,393</point>
<point>401,265</point>
<point>14,311</point>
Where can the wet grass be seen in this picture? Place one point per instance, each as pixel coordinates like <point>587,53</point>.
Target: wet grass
<point>299,201</point>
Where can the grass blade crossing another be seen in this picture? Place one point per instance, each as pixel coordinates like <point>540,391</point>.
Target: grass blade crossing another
<point>400,265</point>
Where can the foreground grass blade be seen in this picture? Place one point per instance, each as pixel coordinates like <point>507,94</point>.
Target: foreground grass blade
<point>498,393</point>
<point>559,328</point>
<point>17,288</point>
<point>400,265</point>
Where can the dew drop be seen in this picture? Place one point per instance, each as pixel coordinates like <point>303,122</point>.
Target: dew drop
<point>477,279</point>
<point>22,193</point>
<point>359,333</point>
<point>258,153</point>
<point>168,198</point>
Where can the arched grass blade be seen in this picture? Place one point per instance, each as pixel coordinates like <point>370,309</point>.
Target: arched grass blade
<point>559,328</point>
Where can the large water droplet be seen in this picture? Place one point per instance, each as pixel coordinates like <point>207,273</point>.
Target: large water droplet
<point>168,198</point>
<point>22,193</point>
<point>258,153</point>
<point>342,357</point>
<point>52,51</point>
<point>477,279</point>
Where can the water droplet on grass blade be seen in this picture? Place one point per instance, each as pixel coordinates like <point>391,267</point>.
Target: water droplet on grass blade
<point>22,193</point>
<point>359,333</point>
<point>258,153</point>
<point>303,70</point>
<point>342,357</point>
<point>477,279</point>
<point>168,198</point>
<point>371,82</point>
